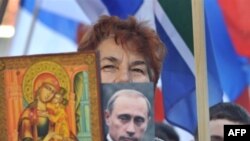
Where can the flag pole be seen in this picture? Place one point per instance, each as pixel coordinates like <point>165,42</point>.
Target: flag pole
<point>32,27</point>
<point>201,69</point>
<point>3,7</point>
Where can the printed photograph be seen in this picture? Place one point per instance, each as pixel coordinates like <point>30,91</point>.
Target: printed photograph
<point>128,111</point>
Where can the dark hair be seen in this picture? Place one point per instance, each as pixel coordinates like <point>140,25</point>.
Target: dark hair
<point>229,111</point>
<point>146,41</point>
<point>166,132</point>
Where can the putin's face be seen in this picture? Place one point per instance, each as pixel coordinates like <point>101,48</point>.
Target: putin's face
<point>128,119</point>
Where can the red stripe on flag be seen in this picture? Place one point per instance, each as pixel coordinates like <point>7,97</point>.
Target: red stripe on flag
<point>237,18</point>
<point>159,110</point>
<point>243,100</point>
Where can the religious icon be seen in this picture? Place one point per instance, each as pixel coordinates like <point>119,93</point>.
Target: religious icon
<point>50,98</point>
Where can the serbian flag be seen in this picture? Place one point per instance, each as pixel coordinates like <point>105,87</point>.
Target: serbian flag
<point>237,22</point>
<point>236,14</point>
<point>226,36</point>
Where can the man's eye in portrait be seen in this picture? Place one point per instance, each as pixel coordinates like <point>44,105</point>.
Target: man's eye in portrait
<point>124,118</point>
<point>139,120</point>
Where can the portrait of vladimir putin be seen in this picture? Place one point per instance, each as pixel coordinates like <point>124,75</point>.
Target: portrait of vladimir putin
<point>127,115</point>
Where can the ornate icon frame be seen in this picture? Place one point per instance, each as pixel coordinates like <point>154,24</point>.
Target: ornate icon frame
<point>21,77</point>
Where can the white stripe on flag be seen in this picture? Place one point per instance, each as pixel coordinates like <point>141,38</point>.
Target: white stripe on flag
<point>53,43</point>
<point>174,36</point>
<point>93,9</point>
<point>22,30</point>
<point>145,13</point>
<point>66,8</point>
<point>44,39</point>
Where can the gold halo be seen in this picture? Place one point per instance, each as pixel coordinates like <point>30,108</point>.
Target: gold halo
<point>40,68</point>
